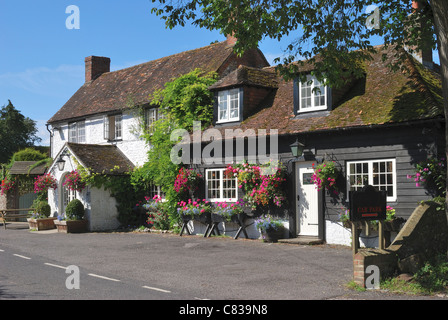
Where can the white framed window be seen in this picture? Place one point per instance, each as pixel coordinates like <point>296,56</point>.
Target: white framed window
<point>312,95</point>
<point>156,191</point>
<point>118,126</point>
<point>67,196</point>
<point>113,127</point>
<point>229,105</point>
<point>220,188</point>
<point>380,174</point>
<point>77,132</point>
<point>152,115</point>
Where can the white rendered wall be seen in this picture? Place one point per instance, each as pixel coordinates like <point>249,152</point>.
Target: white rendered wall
<point>134,147</point>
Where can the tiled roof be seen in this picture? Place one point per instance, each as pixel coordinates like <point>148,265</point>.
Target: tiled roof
<point>23,167</point>
<point>114,90</point>
<point>250,76</point>
<point>382,97</point>
<point>106,159</point>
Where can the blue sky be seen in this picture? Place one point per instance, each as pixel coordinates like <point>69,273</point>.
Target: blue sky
<point>42,62</point>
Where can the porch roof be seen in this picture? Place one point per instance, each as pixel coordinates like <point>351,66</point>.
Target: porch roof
<point>26,167</point>
<point>104,159</point>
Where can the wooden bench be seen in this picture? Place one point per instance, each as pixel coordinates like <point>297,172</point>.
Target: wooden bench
<point>12,215</point>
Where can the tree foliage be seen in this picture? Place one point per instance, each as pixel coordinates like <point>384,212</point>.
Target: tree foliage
<point>16,132</point>
<point>187,99</point>
<point>333,35</point>
<point>182,101</point>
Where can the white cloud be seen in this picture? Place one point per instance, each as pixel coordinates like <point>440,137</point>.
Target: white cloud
<point>43,132</point>
<point>45,81</point>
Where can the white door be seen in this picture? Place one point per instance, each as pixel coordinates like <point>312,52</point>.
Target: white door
<point>307,201</point>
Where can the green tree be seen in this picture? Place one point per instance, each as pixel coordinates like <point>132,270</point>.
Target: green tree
<point>16,132</point>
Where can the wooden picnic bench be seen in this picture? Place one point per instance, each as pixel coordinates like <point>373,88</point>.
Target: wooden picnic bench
<point>12,214</point>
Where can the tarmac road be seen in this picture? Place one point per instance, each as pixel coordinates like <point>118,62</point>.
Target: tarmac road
<point>149,266</point>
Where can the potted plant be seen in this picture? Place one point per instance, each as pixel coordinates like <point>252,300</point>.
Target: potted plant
<point>40,219</point>
<point>73,220</point>
<point>271,229</point>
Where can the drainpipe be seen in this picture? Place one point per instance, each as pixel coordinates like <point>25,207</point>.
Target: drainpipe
<point>51,140</point>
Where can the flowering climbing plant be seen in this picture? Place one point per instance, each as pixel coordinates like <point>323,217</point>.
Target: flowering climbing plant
<point>261,185</point>
<point>325,175</point>
<point>7,185</point>
<point>74,182</point>
<point>44,182</point>
<point>431,174</point>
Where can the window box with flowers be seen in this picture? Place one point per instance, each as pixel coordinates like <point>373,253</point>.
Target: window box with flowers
<point>197,210</point>
<point>228,212</point>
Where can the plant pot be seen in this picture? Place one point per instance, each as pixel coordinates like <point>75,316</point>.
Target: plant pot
<point>393,225</point>
<point>204,218</point>
<point>41,224</point>
<point>78,226</point>
<point>272,235</point>
<point>217,218</point>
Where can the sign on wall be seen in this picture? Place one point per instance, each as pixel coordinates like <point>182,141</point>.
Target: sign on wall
<point>368,204</point>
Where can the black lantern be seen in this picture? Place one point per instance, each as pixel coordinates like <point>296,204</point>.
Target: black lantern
<point>297,149</point>
<point>61,163</point>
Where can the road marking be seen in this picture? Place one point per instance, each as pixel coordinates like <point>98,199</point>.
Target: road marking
<point>23,257</point>
<point>156,289</point>
<point>2,250</point>
<point>101,277</point>
<point>55,265</point>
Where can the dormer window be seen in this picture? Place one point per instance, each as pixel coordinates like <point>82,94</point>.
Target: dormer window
<point>229,105</point>
<point>311,95</point>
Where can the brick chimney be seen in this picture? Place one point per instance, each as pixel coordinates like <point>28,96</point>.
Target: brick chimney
<point>231,40</point>
<point>96,66</point>
<point>423,55</point>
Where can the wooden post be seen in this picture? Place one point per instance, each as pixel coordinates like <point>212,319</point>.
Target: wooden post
<point>381,234</point>
<point>355,239</point>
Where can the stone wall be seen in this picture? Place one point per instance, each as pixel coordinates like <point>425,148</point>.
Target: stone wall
<point>425,235</point>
